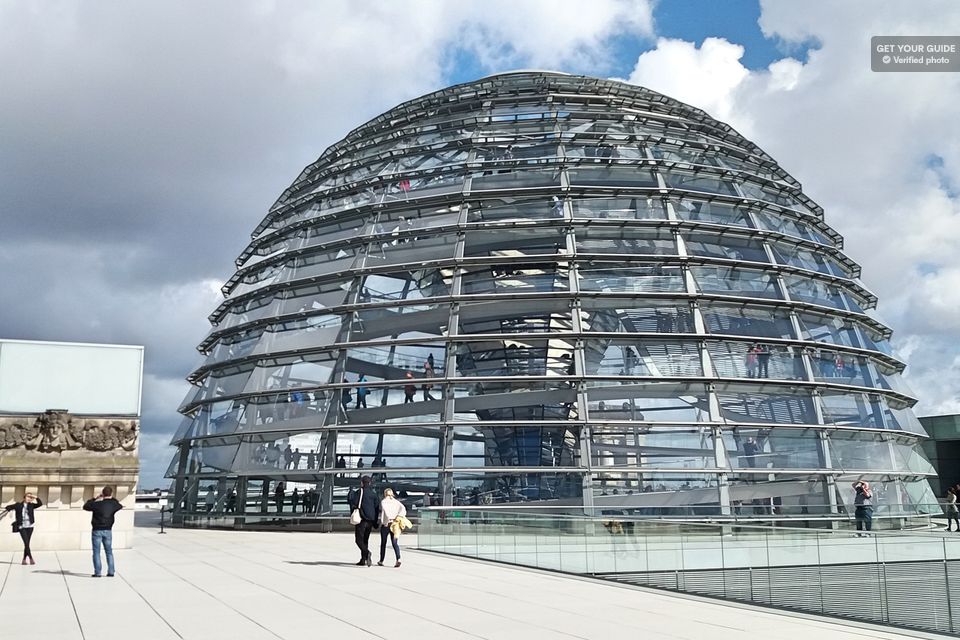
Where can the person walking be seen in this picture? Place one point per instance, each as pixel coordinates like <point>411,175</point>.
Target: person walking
<point>104,508</point>
<point>367,505</point>
<point>23,512</point>
<point>390,510</point>
<point>953,513</point>
<point>863,501</point>
<point>345,395</point>
<point>409,389</point>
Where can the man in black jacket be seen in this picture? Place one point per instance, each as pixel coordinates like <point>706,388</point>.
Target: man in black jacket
<point>367,501</point>
<point>104,508</point>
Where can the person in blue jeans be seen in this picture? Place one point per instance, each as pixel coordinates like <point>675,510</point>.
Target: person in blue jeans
<point>104,508</point>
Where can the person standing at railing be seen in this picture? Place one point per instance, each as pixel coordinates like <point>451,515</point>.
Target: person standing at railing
<point>278,497</point>
<point>953,514</point>
<point>763,361</point>
<point>362,392</point>
<point>863,501</point>
<point>751,361</point>
<point>427,373</point>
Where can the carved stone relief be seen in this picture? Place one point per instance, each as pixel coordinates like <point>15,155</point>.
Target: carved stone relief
<point>57,431</point>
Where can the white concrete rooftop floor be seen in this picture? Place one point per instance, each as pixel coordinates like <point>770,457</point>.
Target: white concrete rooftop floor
<point>208,585</point>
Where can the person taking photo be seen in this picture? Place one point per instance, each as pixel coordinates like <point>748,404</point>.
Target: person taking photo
<point>104,508</point>
<point>23,512</point>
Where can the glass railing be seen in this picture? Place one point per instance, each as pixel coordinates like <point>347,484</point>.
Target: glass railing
<point>899,577</point>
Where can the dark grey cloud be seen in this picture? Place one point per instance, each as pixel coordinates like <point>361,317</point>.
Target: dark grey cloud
<point>140,143</point>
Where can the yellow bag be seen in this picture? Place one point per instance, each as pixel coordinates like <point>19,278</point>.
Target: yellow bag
<point>399,524</point>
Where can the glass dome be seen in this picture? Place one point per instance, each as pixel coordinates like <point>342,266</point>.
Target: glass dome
<point>552,289</point>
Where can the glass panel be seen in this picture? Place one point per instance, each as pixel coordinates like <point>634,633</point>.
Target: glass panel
<point>832,330</point>
<point>728,248</point>
<point>395,226</point>
<point>611,175</point>
<point>510,400</point>
<point>635,316</point>
<point>856,451</point>
<point>773,195</point>
<point>515,210</point>
<point>510,243</point>
<point>601,150</point>
<point>515,180</point>
<point>640,208</point>
<point>852,409</point>
<point>526,357</point>
<point>781,223</point>
<point>422,186</point>
<point>507,154</point>
<point>507,488</point>
<point>747,321</point>
<point>758,407</point>
<point>806,259</point>
<point>818,292</point>
<point>310,332</point>
<point>779,448</point>
<point>489,318</point>
<point>734,281</point>
<point>518,277</point>
<point>714,212</point>
<point>427,318</point>
<point>755,360</point>
<point>427,248</point>
<point>690,181</point>
<point>661,447</point>
<point>636,279</point>
<point>690,155</point>
<point>522,445</point>
<point>386,361</point>
<point>642,358</point>
<point>628,241</point>
<point>650,402</point>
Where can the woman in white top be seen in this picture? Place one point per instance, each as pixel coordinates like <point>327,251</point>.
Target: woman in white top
<point>390,510</point>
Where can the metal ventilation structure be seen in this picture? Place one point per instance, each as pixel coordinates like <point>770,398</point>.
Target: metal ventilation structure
<point>553,289</point>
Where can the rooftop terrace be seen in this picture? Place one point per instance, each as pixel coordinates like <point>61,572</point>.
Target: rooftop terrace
<point>250,585</point>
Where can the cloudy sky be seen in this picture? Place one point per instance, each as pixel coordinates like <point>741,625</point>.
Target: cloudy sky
<point>140,143</point>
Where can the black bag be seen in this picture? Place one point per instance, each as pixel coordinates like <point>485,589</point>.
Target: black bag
<point>15,527</point>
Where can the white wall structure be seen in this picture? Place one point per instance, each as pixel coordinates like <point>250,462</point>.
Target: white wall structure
<point>69,425</point>
<point>84,379</point>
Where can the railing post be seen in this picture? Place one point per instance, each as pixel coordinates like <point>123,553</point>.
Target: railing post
<point>946,581</point>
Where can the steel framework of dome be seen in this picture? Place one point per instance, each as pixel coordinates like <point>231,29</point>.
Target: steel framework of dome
<point>558,290</point>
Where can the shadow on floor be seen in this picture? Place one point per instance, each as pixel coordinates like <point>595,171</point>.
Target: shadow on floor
<point>323,563</point>
<point>61,573</point>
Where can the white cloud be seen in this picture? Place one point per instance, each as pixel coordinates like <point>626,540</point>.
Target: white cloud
<point>861,144</point>
<point>706,77</point>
